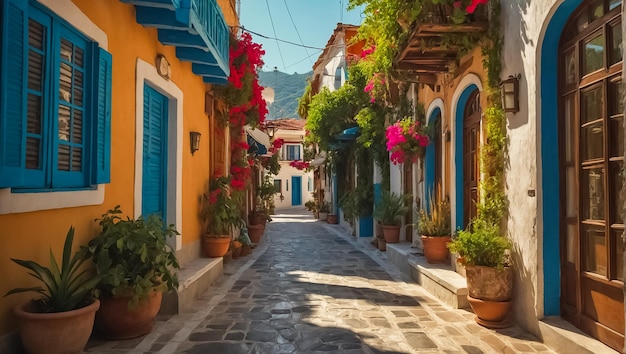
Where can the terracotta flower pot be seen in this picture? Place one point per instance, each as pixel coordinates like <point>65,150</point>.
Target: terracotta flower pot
<point>491,314</point>
<point>55,333</point>
<point>382,244</point>
<point>490,293</point>
<point>236,252</point>
<point>436,248</point>
<point>255,232</point>
<point>391,233</point>
<point>332,219</point>
<point>117,320</point>
<point>257,219</point>
<point>215,246</point>
<point>245,250</point>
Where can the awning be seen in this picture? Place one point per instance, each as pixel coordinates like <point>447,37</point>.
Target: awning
<point>259,141</point>
<point>349,134</point>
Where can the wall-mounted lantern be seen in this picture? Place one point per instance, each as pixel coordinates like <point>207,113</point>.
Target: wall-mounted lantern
<point>194,141</point>
<point>509,90</point>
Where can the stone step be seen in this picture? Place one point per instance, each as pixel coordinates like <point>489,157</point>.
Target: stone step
<point>438,279</point>
<point>564,338</point>
<point>194,279</point>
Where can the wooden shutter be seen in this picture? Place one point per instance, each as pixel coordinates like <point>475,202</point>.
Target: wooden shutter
<point>13,93</point>
<point>102,131</point>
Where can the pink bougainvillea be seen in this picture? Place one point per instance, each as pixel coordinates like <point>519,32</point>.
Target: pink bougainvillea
<point>472,6</point>
<point>406,141</point>
<point>300,165</point>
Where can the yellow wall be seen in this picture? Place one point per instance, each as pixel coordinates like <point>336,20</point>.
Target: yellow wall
<point>448,84</point>
<point>30,235</point>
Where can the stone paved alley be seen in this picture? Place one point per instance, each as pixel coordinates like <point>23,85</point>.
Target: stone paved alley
<point>310,287</point>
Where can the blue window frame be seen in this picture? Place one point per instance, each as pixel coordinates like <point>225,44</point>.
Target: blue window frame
<point>55,99</point>
<point>293,152</point>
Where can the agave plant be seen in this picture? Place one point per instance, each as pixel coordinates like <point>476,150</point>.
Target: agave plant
<point>64,289</point>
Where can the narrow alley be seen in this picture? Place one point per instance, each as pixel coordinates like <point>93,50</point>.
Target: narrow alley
<point>311,287</point>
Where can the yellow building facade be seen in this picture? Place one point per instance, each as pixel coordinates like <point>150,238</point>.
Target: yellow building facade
<point>33,221</point>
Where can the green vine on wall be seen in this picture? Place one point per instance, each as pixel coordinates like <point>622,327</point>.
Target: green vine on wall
<point>493,205</point>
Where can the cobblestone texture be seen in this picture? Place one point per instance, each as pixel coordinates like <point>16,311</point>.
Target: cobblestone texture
<point>309,287</point>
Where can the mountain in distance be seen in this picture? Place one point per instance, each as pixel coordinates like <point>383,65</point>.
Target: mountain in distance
<point>288,88</point>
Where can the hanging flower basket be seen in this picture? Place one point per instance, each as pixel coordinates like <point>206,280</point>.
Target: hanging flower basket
<point>406,141</point>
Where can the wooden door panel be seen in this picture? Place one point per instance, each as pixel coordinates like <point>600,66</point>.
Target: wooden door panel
<point>603,303</point>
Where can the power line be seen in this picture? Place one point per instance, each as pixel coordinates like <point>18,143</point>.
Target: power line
<point>278,39</point>
<point>297,32</point>
<point>274,29</point>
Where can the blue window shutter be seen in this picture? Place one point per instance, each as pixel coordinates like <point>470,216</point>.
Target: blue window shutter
<point>13,93</point>
<point>102,141</point>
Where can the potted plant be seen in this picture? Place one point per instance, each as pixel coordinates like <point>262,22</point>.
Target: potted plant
<point>389,211</point>
<point>434,228</point>
<point>264,201</point>
<point>324,210</point>
<point>485,253</point>
<point>61,319</point>
<point>136,264</point>
<point>220,212</point>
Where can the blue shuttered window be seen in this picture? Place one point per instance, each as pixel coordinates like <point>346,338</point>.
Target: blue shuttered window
<point>55,98</point>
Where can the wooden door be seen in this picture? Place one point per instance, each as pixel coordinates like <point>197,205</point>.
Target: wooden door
<point>471,144</point>
<point>591,159</point>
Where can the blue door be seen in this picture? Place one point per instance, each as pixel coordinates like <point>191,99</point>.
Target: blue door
<point>154,153</point>
<point>296,190</point>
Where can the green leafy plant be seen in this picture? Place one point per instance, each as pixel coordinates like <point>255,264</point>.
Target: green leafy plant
<point>391,208</point>
<point>482,245</point>
<point>64,289</point>
<point>312,205</point>
<point>436,220</point>
<point>219,209</point>
<point>133,256</point>
<point>324,207</point>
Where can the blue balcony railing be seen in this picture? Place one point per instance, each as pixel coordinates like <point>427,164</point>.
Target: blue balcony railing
<point>196,28</point>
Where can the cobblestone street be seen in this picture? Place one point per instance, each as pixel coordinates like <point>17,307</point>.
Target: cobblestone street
<point>310,287</point>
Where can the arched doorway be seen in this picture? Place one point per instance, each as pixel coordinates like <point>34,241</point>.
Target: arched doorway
<point>591,161</point>
<point>471,169</point>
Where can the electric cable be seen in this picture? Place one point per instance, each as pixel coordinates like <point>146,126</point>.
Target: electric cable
<point>274,29</point>
<point>297,32</point>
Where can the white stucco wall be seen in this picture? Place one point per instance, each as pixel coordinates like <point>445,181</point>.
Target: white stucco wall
<point>523,25</point>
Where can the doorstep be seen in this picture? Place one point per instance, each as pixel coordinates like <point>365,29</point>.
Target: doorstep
<point>562,337</point>
<point>193,280</point>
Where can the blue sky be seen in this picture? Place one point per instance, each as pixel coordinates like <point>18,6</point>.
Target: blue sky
<point>314,20</point>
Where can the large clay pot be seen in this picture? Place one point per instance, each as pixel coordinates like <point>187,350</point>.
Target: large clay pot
<point>490,293</point>
<point>332,218</point>
<point>436,248</point>
<point>215,246</point>
<point>323,216</point>
<point>116,319</point>
<point>391,233</point>
<point>257,219</point>
<point>255,232</point>
<point>488,283</point>
<point>55,333</point>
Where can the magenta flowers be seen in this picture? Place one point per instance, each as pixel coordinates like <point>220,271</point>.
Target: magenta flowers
<point>406,141</point>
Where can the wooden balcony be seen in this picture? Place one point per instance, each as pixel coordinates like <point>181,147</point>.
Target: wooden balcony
<point>431,48</point>
<point>196,28</point>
